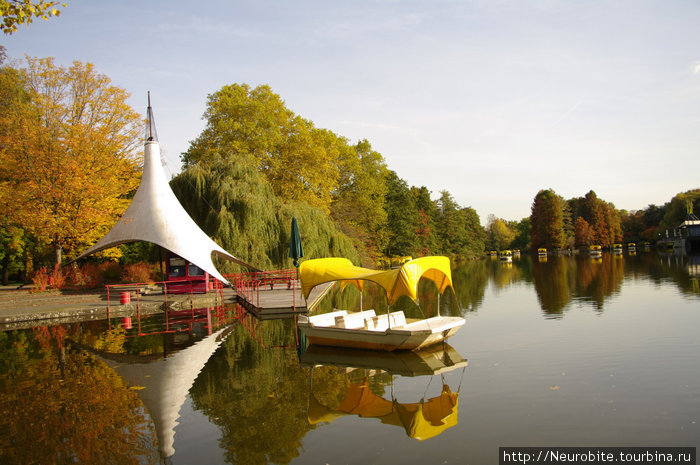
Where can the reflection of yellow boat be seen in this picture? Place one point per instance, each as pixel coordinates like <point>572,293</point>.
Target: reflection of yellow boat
<point>433,360</point>
<point>365,330</point>
<point>421,420</point>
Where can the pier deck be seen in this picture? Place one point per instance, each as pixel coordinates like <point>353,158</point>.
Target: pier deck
<point>280,301</point>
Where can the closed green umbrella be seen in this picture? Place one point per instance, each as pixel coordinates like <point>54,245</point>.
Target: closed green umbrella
<point>296,251</point>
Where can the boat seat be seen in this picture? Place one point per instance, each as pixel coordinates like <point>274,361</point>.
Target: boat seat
<point>353,320</point>
<point>381,322</point>
<point>326,319</point>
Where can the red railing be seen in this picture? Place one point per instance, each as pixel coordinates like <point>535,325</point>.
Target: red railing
<point>249,285</point>
<point>217,286</point>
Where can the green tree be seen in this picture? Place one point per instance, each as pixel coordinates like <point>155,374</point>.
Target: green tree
<point>359,202</point>
<point>402,217</point>
<point>294,156</point>
<point>475,234</point>
<point>676,211</point>
<point>522,233</point>
<point>16,12</point>
<point>234,203</point>
<point>547,220</point>
<point>459,230</point>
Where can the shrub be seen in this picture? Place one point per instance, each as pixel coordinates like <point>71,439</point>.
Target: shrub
<point>41,279</point>
<point>57,279</point>
<point>137,273</point>
<point>89,276</point>
<point>111,271</point>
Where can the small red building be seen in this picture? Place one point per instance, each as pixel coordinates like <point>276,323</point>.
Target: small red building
<point>184,277</point>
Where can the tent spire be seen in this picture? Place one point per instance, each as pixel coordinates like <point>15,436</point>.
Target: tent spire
<point>151,134</point>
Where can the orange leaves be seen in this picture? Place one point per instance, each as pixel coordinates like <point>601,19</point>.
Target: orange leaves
<point>72,154</point>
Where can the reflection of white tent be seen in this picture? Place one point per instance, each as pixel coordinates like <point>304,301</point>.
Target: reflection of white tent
<point>167,382</point>
<point>156,216</point>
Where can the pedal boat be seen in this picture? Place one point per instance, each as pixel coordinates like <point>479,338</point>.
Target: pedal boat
<point>365,329</point>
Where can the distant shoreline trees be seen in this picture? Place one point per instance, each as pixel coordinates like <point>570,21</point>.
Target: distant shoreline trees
<point>71,155</point>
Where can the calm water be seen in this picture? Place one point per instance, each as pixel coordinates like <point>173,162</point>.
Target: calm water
<point>567,352</point>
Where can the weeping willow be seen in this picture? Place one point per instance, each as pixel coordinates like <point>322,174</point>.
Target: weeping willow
<point>235,205</point>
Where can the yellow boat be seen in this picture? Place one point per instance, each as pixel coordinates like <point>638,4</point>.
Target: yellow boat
<point>365,329</point>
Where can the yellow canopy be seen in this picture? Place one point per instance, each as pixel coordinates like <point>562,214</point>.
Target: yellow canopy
<point>396,282</point>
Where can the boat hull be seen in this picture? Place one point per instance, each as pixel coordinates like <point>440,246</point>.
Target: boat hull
<point>413,336</point>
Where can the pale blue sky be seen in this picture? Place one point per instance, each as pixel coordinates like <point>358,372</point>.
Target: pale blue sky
<point>491,100</point>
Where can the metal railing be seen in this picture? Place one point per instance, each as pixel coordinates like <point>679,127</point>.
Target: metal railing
<point>249,285</point>
<point>216,286</point>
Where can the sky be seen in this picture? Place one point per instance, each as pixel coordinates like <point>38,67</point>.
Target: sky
<point>491,100</point>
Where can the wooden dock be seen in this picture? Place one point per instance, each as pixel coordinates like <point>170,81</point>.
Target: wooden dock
<point>279,301</point>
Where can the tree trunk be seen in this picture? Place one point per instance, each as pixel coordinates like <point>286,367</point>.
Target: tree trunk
<point>58,251</point>
<point>5,269</point>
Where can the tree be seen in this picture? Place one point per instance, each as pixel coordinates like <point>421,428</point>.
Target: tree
<point>547,220</point>
<point>359,201</point>
<point>16,12</point>
<point>426,229</point>
<point>583,236</point>
<point>234,203</point>
<point>296,157</point>
<point>678,209</point>
<point>522,233</point>
<point>500,235</point>
<point>459,230</point>
<point>402,217</point>
<point>70,153</point>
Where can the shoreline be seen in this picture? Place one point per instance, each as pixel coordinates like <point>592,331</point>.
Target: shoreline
<point>20,308</point>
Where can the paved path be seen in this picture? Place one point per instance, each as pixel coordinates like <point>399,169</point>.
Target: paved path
<point>21,308</point>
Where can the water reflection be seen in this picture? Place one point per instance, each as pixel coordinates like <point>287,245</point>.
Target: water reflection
<point>354,382</point>
<point>60,404</point>
<point>113,391</point>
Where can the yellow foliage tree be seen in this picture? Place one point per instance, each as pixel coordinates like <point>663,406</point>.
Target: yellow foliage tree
<point>70,155</point>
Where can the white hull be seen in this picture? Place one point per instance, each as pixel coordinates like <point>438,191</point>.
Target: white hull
<point>410,336</point>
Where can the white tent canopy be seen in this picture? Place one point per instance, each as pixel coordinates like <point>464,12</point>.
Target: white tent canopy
<point>155,215</point>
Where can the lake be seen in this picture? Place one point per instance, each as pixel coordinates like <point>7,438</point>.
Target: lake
<point>563,351</point>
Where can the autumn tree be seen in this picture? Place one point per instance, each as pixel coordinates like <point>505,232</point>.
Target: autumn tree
<point>499,233</point>
<point>601,216</point>
<point>16,12</point>
<point>426,226</point>
<point>547,221</point>
<point>70,152</point>
<point>583,236</point>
